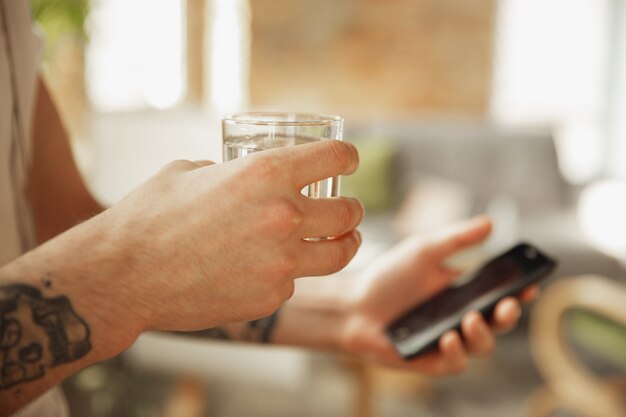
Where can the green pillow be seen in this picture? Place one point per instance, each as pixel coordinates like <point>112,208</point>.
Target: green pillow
<point>372,183</point>
<point>600,335</point>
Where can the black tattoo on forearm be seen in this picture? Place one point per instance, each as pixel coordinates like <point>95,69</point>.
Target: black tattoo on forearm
<point>256,331</point>
<point>37,333</point>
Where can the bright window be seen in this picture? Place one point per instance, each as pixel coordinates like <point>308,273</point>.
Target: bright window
<point>551,68</point>
<point>135,55</point>
<point>617,96</point>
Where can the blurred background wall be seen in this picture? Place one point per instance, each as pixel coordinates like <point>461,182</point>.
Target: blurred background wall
<point>513,62</point>
<point>373,57</point>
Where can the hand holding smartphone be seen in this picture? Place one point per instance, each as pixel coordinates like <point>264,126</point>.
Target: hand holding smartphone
<point>419,330</point>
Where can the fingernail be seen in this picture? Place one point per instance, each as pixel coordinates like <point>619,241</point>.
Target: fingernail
<point>511,305</point>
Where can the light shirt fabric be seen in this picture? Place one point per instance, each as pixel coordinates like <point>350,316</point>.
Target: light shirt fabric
<point>20,54</point>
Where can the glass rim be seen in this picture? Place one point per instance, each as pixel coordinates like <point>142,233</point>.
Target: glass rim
<point>299,119</point>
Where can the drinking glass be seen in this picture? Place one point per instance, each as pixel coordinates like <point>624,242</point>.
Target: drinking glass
<point>246,133</point>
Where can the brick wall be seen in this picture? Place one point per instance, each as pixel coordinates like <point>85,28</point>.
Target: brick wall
<point>372,55</point>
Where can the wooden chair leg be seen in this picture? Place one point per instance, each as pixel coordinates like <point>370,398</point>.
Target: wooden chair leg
<point>360,374</point>
<point>364,391</point>
<point>188,398</point>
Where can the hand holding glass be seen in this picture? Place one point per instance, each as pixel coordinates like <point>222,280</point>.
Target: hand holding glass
<point>247,133</point>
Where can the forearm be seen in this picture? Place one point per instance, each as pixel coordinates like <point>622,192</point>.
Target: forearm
<point>58,315</point>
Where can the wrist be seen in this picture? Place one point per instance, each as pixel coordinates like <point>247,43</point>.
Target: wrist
<point>112,293</point>
<point>82,265</point>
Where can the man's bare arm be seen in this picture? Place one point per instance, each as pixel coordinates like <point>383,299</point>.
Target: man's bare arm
<point>58,315</point>
<point>171,255</point>
<point>59,197</point>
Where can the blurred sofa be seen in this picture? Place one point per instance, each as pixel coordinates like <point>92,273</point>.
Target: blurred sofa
<point>511,173</point>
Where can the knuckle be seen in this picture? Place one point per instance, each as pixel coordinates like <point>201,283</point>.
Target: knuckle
<point>287,291</point>
<point>283,217</point>
<point>277,298</point>
<point>285,267</point>
<point>287,211</point>
<point>203,163</point>
<point>177,165</point>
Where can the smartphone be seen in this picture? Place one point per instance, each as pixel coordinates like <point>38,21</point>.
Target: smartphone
<point>419,330</point>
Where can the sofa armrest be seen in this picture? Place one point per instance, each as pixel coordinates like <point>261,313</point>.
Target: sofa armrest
<point>565,375</point>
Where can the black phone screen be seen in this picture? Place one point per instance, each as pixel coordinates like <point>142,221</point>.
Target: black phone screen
<point>420,328</point>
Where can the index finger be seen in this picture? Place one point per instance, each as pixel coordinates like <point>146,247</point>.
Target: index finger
<point>316,161</point>
<point>459,237</point>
